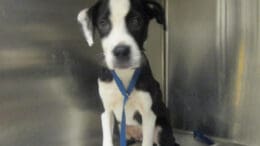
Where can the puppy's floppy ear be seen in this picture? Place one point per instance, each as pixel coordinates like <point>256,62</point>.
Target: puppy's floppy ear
<point>86,19</point>
<point>155,10</point>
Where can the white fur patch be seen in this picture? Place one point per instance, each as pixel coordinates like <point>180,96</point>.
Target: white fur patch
<point>157,132</point>
<point>87,30</point>
<point>148,128</point>
<point>119,34</point>
<point>107,127</point>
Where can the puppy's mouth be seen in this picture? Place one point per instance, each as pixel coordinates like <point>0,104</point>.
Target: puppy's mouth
<point>123,65</point>
<point>126,64</point>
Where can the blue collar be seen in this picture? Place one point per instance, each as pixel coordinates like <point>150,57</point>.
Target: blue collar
<point>125,93</point>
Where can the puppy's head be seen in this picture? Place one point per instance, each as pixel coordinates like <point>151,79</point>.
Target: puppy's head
<point>122,26</point>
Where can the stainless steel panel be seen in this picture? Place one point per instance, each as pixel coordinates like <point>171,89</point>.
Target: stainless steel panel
<point>213,67</point>
<point>48,93</point>
<point>48,89</point>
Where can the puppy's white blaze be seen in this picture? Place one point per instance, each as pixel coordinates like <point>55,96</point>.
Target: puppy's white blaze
<point>88,32</point>
<point>119,9</point>
<point>119,34</point>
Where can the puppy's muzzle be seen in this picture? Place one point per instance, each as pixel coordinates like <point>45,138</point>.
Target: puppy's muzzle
<point>122,53</point>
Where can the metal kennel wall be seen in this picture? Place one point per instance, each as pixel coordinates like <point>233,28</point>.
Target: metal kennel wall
<point>213,67</point>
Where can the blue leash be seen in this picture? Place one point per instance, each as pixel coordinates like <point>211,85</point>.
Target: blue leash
<point>198,135</point>
<point>126,94</point>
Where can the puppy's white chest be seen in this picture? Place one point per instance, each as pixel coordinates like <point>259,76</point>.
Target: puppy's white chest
<point>138,101</point>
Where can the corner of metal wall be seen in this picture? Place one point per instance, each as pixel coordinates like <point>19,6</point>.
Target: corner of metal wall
<point>165,65</point>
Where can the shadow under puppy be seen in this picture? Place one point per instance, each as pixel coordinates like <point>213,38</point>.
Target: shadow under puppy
<point>122,26</point>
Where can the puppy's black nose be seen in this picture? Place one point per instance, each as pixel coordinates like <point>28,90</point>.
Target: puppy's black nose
<point>122,52</point>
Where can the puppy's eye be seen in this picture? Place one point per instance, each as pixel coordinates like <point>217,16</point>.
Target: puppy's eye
<point>103,24</point>
<point>135,21</point>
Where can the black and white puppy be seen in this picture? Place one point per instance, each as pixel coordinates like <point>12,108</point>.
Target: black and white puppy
<point>122,26</point>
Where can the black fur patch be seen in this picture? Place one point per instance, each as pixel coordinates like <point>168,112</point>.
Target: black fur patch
<point>105,75</point>
<point>99,14</point>
<point>138,117</point>
<point>131,142</point>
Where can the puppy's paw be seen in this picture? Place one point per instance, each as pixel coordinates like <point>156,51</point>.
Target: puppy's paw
<point>107,143</point>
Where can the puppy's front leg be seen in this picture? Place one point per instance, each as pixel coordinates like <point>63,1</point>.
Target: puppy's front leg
<point>149,119</point>
<point>107,127</point>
